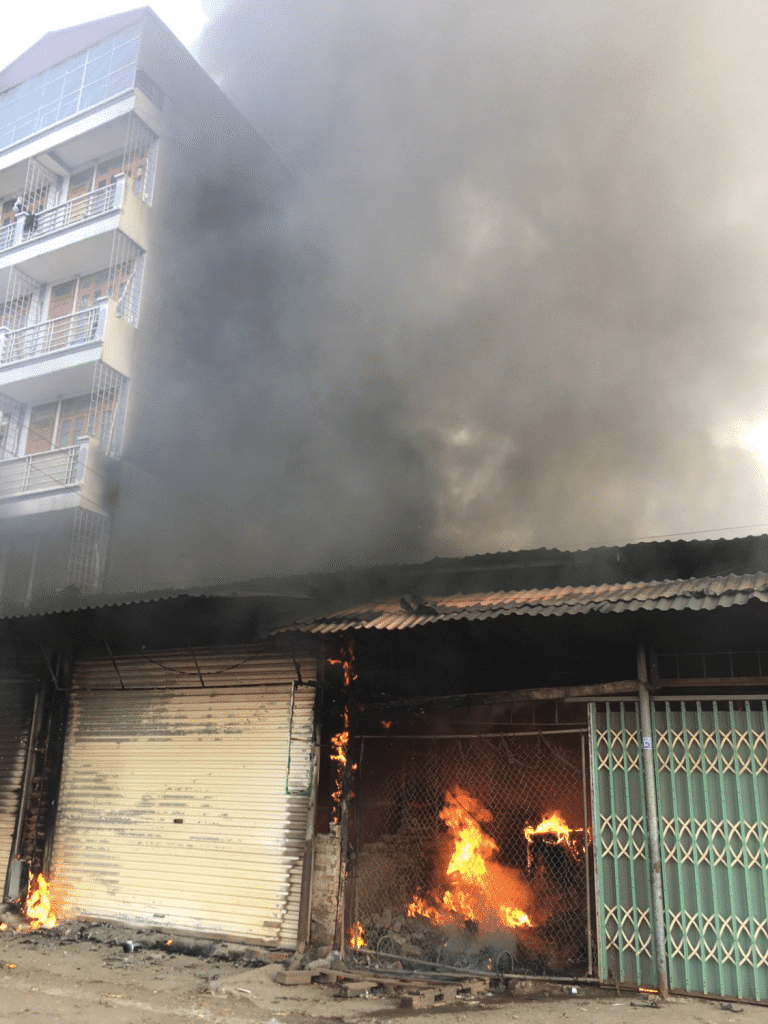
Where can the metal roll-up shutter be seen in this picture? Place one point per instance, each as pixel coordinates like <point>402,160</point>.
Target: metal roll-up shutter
<point>17,698</point>
<point>185,790</point>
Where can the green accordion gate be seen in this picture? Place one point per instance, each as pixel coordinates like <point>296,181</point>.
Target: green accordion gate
<point>711,763</point>
<point>622,867</point>
<point>712,783</point>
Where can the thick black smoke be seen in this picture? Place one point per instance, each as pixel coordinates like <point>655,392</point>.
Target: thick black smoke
<point>514,294</point>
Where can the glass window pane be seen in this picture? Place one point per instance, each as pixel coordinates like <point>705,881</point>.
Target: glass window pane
<point>79,426</point>
<point>102,49</point>
<point>26,125</point>
<point>68,105</point>
<point>53,90</point>
<point>96,69</point>
<point>49,115</point>
<point>125,55</point>
<point>92,95</point>
<point>73,81</point>
<point>64,434</point>
<point>120,81</point>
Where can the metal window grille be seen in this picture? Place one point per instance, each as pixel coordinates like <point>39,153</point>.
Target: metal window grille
<point>12,415</point>
<point>139,157</point>
<point>402,848</point>
<point>87,551</point>
<point>125,277</point>
<point>23,304</point>
<point>107,409</point>
<point>42,191</point>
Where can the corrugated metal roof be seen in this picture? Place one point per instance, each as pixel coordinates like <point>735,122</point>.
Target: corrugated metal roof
<point>513,570</point>
<point>701,594</point>
<point>60,603</point>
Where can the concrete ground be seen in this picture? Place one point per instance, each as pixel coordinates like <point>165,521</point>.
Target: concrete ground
<point>64,977</point>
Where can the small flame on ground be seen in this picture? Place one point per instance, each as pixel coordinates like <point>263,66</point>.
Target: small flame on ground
<point>37,908</point>
<point>169,942</point>
<point>356,936</point>
<point>3,926</point>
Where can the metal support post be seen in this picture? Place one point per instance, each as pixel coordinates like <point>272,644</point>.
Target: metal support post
<point>652,818</point>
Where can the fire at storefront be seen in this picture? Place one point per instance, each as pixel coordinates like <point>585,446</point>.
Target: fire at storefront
<point>549,783</point>
<point>566,781</point>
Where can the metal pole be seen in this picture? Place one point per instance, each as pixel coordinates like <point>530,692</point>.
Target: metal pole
<point>654,849</point>
<point>587,846</point>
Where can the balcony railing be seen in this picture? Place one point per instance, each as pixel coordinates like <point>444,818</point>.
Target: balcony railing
<point>31,226</point>
<point>64,332</point>
<point>44,471</point>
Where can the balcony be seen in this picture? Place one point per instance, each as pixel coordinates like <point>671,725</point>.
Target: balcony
<point>58,356</point>
<point>51,481</point>
<point>32,226</point>
<point>65,332</point>
<point>44,242</point>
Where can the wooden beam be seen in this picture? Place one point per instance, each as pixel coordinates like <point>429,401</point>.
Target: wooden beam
<point>596,690</point>
<point>709,682</point>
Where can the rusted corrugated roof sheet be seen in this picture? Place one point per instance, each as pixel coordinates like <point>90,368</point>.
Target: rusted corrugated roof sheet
<point>702,594</point>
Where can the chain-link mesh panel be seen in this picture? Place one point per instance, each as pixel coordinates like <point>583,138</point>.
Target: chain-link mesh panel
<point>473,852</point>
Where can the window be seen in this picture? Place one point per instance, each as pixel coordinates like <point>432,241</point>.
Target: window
<point>87,78</point>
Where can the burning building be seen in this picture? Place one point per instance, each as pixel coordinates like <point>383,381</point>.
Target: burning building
<point>566,781</point>
<point>562,781</point>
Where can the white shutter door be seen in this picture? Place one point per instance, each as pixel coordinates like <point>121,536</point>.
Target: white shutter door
<point>186,807</point>
<point>17,698</point>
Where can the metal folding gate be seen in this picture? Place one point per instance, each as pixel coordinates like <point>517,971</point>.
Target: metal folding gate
<point>623,883</point>
<point>712,783</point>
<point>712,795</point>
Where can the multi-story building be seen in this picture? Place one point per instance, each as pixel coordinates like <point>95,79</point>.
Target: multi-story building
<point>93,120</point>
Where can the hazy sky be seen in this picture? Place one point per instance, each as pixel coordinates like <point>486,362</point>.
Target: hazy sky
<point>518,298</point>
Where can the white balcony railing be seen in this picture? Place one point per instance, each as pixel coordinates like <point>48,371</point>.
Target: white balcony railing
<point>44,471</point>
<point>64,332</point>
<point>32,226</point>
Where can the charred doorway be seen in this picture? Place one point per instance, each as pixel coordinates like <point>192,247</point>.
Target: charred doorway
<point>473,851</point>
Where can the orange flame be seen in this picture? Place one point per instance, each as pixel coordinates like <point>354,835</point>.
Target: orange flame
<point>553,825</point>
<point>356,936</point>
<point>3,926</point>
<point>514,918</point>
<point>554,831</point>
<point>475,888</point>
<point>340,741</point>
<point>37,908</point>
